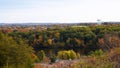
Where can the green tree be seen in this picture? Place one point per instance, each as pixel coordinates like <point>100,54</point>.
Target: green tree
<point>13,54</point>
<point>41,55</point>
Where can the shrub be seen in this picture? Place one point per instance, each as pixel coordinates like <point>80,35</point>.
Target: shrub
<point>78,55</point>
<point>67,55</point>
<point>97,63</point>
<point>41,55</point>
<point>53,59</point>
<point>96,53</point>
<point>72,54</point>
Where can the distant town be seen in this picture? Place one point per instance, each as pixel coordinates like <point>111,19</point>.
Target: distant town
<point>23,27</point>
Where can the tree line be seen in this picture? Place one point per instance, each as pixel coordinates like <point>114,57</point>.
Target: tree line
<point>86,38</point>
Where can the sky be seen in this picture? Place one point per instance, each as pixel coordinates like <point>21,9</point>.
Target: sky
<point>60,11</point>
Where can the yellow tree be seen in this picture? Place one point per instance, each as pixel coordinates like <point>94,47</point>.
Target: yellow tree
<point>50,41</point>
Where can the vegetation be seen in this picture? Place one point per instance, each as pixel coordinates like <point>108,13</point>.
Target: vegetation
<point>12,53</point>
<point>41,55</point>
<point>96,53</point>
<point>99,46</point>
<point>67,55</point>
<point>53,58</point>
<point>86,38</point>
<point>94,63</point>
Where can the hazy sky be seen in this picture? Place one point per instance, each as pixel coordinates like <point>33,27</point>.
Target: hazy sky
<point>12,11</point>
